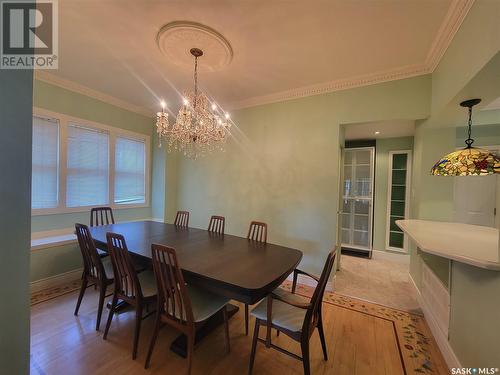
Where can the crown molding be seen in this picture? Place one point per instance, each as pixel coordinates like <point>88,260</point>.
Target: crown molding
<point>453,20</point>
<point>456,14</point>
<point>454,17</point>
<point>87,91</point>
<point>337,85</point>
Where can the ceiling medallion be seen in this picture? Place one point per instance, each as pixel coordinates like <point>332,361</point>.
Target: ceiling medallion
<point>470,161</point>
<point>174,36</point>
<point>200,126</point>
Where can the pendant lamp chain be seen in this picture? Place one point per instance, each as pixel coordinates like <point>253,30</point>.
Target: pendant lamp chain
<point>469,141</point>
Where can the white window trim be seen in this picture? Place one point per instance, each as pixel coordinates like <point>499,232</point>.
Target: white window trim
<point>114,132</point>
<point>409,162</point>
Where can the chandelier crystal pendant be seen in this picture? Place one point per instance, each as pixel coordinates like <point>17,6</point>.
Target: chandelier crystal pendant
<point>200,127</point>
<point>162,123</point>
<point>470,161</point>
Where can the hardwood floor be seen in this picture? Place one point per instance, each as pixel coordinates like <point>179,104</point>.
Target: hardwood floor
<point>358,343</point>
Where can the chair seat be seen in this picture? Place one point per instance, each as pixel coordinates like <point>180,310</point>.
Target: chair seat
<point>148,283</point>
<point>284,315</point>
<point>203,303</point>
<point>108,268</point>
<point>102,253</point>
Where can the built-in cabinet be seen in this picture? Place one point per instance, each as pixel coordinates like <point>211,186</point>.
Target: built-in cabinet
<point>397,198</point>
<point>357,202</point>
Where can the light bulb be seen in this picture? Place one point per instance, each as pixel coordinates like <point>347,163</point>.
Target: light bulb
<point>185,101</point>
<point>377,133</point>
<point>163,104</point>
<point>227,116</point>
<point>214,107</point>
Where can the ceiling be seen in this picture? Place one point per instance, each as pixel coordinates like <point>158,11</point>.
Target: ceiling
<point>379,129</point>
<point>281,49</point>
<point>493,105</point>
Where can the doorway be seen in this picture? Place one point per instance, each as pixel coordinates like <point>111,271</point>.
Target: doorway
<point>357,198</point>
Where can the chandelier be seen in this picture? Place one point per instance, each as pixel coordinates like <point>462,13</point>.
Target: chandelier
<point>470,161</point>
<point>199,128</point>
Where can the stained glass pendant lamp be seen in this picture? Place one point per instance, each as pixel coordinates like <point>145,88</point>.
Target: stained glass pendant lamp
<point>470,161</point>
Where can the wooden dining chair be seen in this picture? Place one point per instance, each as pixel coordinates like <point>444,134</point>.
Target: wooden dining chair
<point>136,289</point>
<point>101,216</point>
<point>256,232</point>
<point>217,224</point>
<point>182,219</point>
<point>181,306</point>
<point>96,271</point>
<point>295,316</point>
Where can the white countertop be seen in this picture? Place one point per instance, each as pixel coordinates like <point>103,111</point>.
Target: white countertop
<point>471,244</point>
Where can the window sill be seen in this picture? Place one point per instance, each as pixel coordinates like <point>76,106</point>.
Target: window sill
<point>60,237</point>
<point>69,210</point>
<point>52,238</point>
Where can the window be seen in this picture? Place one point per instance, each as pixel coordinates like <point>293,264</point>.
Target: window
<point>79,164</point>
<point>130,171</point>
<point>397,200</point>
<point>45,165</point>
<point>87,173</point>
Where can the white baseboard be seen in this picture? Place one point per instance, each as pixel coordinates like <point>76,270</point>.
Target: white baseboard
<point>52,281</point>
<point>391,256</point>
<point>442,341</point>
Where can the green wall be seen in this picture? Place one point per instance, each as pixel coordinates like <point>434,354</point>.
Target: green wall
<point>474,324</point>
<point>486,135</point>
<point>54,260</point>
<point>281,166</point>
<point>59,259</point>
<point>57,99</point>
<point>468,69</point>
<point>383,147</point>
<point>15,189</point>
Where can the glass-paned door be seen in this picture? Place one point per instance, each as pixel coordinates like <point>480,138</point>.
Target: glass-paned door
<point>397,198</point>
<point>357,201</point>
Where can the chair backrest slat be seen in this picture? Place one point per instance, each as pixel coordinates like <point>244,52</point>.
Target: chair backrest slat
<point>126,281</point>
<point>101,216</point>
<point>92,263</point>
<point>257,231</point>
<point>172,290</point>
<point>217,224</point>
<point>182,219</point>
<point>314,311</point>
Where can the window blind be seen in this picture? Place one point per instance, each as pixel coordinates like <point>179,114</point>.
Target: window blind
<point>45,163</point>
<point>87,182</point>
<point>130,171</point>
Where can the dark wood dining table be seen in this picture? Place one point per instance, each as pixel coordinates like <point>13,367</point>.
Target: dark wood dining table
<point>238,268</point>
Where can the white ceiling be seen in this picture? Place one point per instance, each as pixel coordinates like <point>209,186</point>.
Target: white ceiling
<point>385,129</point>
<point>281,48</point>
<point>494,105</point>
